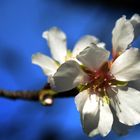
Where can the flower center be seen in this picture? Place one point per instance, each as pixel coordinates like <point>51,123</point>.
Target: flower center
<point>98,81</point>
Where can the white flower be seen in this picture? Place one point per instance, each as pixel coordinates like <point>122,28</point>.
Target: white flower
<point>104,92</point>
<point>57,43</point>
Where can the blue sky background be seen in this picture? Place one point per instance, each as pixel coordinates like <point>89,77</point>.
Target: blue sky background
<point>21,25</point>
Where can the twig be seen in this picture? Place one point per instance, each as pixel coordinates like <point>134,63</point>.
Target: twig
<point>35,95</point>
<point>25,95</point>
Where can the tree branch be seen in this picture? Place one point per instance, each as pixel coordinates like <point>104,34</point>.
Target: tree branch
<point>24,95</point>
<point>36,94</point>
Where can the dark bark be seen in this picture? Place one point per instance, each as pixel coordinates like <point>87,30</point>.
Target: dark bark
<point>34,95</point>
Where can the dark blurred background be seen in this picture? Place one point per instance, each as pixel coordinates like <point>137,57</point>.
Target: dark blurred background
<point>21,25</point>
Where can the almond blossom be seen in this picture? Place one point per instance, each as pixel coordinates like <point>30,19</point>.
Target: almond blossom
<point>106,100</point>
<point>57,43</point>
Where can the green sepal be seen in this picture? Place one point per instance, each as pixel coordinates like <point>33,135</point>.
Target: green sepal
<point>122,83</point>
<point>119,83</point>
<point>81,87</point>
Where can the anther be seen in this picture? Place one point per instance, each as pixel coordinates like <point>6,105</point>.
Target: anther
<point>104,89</point>
<point>109,84</point>
<point>105,79</point>
<point>99,89</point>
<point>114,86</point>
<point>95,77</point>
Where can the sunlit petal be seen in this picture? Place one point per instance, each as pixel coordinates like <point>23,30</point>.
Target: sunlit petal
<point>93,57</point>
<point>57,43</point>
<point>68,76</point>
<point>47,64</point>
<point>84,42</point>
<point>126,102</point>
<point>127,66</point>
<point>80,99</point>
<point>122,35</point>
<point>90,115</point>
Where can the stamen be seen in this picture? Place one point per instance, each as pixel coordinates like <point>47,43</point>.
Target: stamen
<point>98,81</point>
<point>95,77</point>
<point>106,99</point>
<point>109,84</point>
<point>105,79</point>
<point>99,89</point>
<point>114,86</point>
<point>104,91</point>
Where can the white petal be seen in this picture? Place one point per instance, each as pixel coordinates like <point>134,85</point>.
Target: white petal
<point>101,45</point>
<point>135,21</point>
<point>57,43</point>
<point>90,115</point>
<point>122,35</point>
<point>93,57</point>
<point>47,64</point>
<point>68,76</point>
<point>96,117</point>
<point>84,42</point>
<point>106,119</point>
<point>80,99</point>
<point>126,103</point>
<point>127,66</point>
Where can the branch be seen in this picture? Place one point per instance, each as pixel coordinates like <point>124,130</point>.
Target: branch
<point>24,95</point>
<point>45,99</point>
